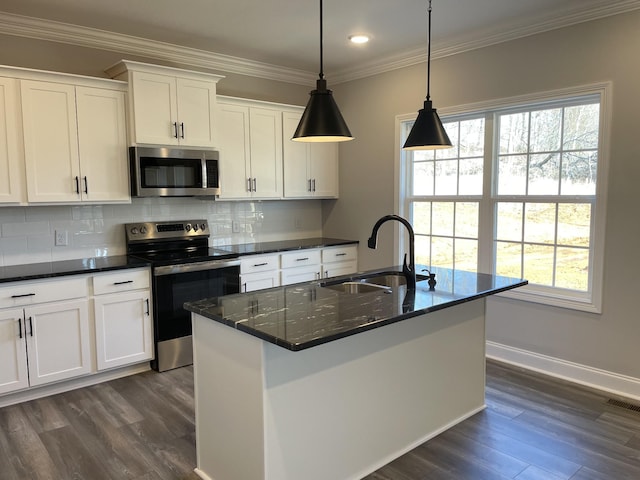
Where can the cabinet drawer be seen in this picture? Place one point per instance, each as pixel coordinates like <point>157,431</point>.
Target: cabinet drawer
<point>120,281</point>
<point>339,254</point>
<point>300,258</point>
<point>40,291</point>
<point>260,263</point>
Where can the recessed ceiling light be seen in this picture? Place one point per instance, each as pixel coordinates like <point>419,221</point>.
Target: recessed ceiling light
<point>359,38</point>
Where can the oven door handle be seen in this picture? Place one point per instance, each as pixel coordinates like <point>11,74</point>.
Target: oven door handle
<point>194,267</point>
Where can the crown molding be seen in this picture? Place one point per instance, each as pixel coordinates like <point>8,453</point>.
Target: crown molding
<point>21,26</point>
<point>483,39</point>
<point>18,25</point>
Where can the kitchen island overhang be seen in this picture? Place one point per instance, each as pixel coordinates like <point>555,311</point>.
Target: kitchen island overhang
<point>370,376</point>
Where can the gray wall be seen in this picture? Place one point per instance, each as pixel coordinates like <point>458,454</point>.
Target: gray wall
<point>602,50</point>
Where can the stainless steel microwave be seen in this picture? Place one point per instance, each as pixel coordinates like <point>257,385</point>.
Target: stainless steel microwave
<point>173,172</point>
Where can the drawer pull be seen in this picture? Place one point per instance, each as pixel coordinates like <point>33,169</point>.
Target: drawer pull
<point>24,295</point>
<point>30,326</point>
<point>260,264</point>
<point>340,254</point>
<point>302,259</point>
<point>148,310</point>
<point>122,283</point>
<point>19,327</point>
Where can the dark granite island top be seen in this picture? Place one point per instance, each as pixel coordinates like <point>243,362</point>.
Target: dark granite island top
<point>285,245</point>
<point>269,406</point>
<point>304,315</point>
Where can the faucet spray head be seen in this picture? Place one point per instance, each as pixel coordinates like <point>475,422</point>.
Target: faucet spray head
<point>372,242</point>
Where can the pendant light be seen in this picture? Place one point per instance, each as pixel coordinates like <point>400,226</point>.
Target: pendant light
<point>427,132</point>
<point>322,120</point>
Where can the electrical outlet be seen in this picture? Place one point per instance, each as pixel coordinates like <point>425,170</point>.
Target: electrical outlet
<point>62,238</point>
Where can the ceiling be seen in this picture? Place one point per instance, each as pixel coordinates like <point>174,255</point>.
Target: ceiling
<point>285,33</point>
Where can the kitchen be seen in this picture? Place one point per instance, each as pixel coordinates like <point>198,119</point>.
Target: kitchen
<point>597,349</point>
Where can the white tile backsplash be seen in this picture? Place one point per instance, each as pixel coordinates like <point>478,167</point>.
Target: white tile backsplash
<point>27,234</point>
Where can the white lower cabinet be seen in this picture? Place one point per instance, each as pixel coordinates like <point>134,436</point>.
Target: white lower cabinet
<point>122,308</point>
<point>300,266</point>
<point>340,260</point>
<point>259,271</point>
<point>45,335</point>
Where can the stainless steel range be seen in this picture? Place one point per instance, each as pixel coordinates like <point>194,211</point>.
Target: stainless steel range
<point>184,269</point>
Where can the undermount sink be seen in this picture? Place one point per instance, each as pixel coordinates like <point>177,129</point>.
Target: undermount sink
<point>358,287</point>
<point>372,282</point>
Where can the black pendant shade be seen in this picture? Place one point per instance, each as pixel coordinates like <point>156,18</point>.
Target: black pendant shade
<point>322,120</point>
<point>427,131</point>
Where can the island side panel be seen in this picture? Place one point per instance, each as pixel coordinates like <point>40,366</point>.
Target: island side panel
<point>343,409</point>
<point>228,389</point>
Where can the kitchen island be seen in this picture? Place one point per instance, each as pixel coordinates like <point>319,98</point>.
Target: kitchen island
<point>310,381</point>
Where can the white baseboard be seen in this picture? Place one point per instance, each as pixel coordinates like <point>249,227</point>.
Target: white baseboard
<point>614,383</point>
<point>34,393</point>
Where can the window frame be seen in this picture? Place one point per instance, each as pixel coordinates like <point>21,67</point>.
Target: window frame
<point>591,300</point>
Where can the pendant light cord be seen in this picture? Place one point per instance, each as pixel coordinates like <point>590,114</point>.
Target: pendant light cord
<point>428,54</point>
<point>321,41</point>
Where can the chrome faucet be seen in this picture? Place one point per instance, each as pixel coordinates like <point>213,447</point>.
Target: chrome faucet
<point>409,270</point>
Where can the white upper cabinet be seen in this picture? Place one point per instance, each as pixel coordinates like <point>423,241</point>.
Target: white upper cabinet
<point>102,145</point>
<point>250,149</point>
<point>310,169</point>
<point>75,142</point>
<point>11,158</point>
<point>169,106</point>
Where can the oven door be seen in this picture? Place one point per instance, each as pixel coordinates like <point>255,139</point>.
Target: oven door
<point>174,285</point>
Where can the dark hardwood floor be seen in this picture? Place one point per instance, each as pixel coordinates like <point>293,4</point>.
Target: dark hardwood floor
<point>142,428</point>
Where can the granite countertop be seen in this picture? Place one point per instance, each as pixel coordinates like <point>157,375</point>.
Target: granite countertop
<point>33,271</point>
<point>285,245</point>
<point>304,315</point>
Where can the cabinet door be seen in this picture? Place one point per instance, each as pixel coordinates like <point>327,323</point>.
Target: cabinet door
<point>265,135</point>
<point>233,132</point>
<point>11,160</point>
<point>323,166</point>
<point>13,352</point>
<point>300,274</point>
<point>250,282</point>
<point>102,142</point>
<point>123,329</point>
<point>58,341</point>
<point>155,107</point>
<point>196,109</point>
<point>295,156</point>
<point>50,142</point>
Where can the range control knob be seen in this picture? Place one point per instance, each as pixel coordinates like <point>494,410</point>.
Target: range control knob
<point>134,230</point>
<point>187,227</point>
<point>195,227</point>
<point>203,227</point>
<point>143,229</point>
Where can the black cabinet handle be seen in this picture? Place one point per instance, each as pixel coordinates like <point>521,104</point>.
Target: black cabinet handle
<point>249,184</point>
<point>314,184</point>
<point>24,295</point>
<point>148,309</point>
<point>260,264</point>
<point>255,185</point>
<point>340,254</point>
<point>86,186</point>
<point>77,185</point>
<point>181,129</point>
<point>175,129</point>
<point>302,259</point>
<point>122,283</point>
<point>30,326</point>
<point>20,327</point>
<point>309,187</point>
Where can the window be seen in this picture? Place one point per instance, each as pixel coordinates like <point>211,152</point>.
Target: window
<point>520,194</point>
